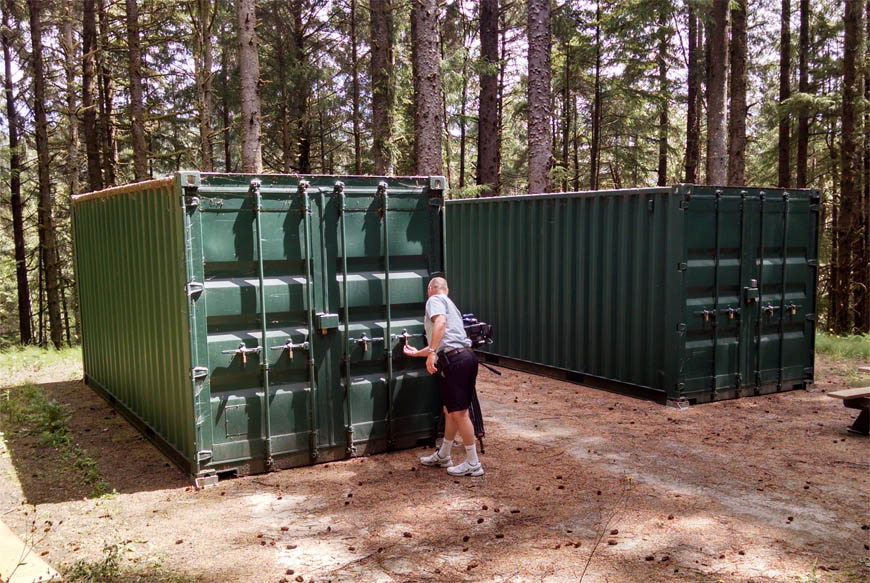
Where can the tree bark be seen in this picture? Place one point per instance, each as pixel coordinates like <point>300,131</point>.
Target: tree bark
<point>106,93</point>
<point>566,115</point>
<point>595,144</point>
<point>784,143</point>
<point>226,117</point>
<point>737,114</point>
<point>846,230</point>
<point>25,315</point>
<point>540,152</point>
<point>427,88</point>
<point>302,97</point>
<point>249,90</point>
<point>717,43</point>
<point>382,67</point>
<point>69,59</point>
<point>47,235</point>
<point>862,319</point>
<point>137,105</point>
<point>203,14</point>
<point>357,151</point>
<point>488,118</point>
<point>803,132</point>
<point>89,112</point>
<point>693,113</point>
<point>664,99</point>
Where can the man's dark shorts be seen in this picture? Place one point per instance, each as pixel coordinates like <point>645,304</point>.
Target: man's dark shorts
<point>457,374</point>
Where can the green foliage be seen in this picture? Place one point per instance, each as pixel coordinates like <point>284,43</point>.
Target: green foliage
<point>112,568</point>
<point>22,364</point>
<point>26,409</point>
<point>856,347</point>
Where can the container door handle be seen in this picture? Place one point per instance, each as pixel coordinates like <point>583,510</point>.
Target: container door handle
<point>364,340</point>
<point>243,350</point>
<point>289,346</point>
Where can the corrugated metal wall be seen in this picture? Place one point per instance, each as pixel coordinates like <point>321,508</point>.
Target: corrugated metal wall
<point>129,249</point>
<point>647,287</point>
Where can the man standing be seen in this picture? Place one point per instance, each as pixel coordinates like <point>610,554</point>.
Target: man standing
<point>450,356</point>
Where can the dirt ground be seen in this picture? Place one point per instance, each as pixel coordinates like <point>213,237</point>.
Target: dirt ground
<point>577,480</point>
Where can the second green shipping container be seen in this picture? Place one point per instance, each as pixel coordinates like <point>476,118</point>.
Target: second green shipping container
<point>686,294</point>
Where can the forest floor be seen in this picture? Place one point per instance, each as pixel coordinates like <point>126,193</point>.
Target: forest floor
<point>580,484</point>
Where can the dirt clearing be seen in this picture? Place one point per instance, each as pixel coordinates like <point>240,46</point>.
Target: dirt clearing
<point>760,489</point>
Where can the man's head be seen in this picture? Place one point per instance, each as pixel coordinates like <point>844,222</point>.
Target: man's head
<point>437,285</point>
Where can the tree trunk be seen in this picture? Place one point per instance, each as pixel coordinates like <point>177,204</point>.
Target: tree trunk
<point>203,17</point>
<point>664,100</point>
<point>595,144</point>
<point>501,72</point>
<point>540,152</point>
<point>488,112</point>
<point>803,133</point>
<point>137,106</point>
<point>357,152</point>
<point>382,67</point>
<point>693,113</point>
<point>444,116</point>
<point>862,320</point>
<point>717,43</point>
<point>302,100</point>
<point>106,96</point>
<point>427,88</point>
<point>249,87</point>
<point>69,59</point>
<point>846,230</point>
<point>24,310</point>
<point>89,112</point>
<point>737,115</point>
<point>566,115</point>
<point>575,143</point>
<point>226,119</point>
<point>784,170</point>
<point>47,235</point>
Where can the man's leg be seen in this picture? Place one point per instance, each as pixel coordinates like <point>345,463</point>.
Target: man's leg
<point>449,426</point>
<point>461,422</point>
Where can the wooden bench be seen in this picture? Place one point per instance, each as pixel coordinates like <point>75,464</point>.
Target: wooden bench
<point>858,398</point>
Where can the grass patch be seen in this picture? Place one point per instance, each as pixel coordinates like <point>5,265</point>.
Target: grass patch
<point>112,568</point>
<point>28,411</point>
<point>23,364</point>
<point>855,347</point>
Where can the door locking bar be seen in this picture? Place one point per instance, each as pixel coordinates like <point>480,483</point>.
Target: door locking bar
<point>243,350</point>
<point>289,346</point>
<point>404,336</point>
<point>364,340</point>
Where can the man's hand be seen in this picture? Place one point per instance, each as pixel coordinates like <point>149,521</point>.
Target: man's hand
<point>410,350</point>
<point>430,363</point>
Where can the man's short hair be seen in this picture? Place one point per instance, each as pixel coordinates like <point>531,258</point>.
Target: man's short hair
<point>438,283</point>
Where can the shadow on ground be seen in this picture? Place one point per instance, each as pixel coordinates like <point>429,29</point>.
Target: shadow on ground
<point>124,460</point>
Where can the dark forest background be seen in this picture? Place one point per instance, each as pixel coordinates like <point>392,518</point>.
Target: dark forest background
<point>501,97</point>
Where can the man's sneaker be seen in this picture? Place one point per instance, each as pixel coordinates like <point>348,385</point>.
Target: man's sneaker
<point>436,460</point>
<point>466,469</point>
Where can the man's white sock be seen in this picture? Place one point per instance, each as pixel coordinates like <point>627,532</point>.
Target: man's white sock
<point>444,451</point>
<point>471,454</point>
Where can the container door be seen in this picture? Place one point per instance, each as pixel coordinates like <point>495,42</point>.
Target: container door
<point>779,297</point>
<point>389,244</point>
<point>249,245</point>
<point>750,285</point>
<point>308,292</point>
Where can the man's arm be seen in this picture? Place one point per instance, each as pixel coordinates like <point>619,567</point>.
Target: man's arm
<point>439,325</point>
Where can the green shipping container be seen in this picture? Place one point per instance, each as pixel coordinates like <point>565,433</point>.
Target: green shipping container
<point>687,294</point>
<point>250,322</point>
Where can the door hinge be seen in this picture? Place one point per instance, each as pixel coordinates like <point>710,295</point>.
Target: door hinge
<point>811,317</point>
<point>199,373</point>
<point>682,266</point>
<point>203,455</point>
<point>194,288</point>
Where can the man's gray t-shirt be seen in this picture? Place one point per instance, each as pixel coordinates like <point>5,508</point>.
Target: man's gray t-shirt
<point>454,333</point>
